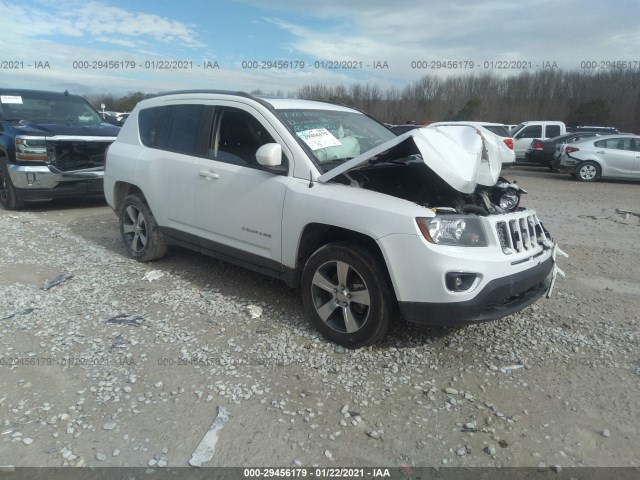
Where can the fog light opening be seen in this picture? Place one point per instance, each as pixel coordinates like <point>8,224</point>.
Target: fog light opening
<point>460,281</point>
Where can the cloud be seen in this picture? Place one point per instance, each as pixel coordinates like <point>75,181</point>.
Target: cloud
<point>96,21</point>
<point>405,30</point>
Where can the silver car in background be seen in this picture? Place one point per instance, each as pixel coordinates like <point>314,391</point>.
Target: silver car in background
<point>610,156</point>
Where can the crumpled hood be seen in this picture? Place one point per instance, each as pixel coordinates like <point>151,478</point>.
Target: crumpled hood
<point>462,157</point>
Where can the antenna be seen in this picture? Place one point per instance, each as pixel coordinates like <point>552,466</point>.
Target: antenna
<point>310,180</point>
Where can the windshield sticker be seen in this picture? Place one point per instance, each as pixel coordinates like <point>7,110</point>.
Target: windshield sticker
<point>318,138</point>
<point>10,99</point>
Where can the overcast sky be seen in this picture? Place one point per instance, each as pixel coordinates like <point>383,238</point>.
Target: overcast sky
<point>73,41</point>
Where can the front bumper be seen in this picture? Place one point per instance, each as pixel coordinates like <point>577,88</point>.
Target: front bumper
<point>41,182</point>
<point>500,297</point>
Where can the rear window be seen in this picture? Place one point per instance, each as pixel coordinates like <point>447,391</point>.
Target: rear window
<point>499,130</point>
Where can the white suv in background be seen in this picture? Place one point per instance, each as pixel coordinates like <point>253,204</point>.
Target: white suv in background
<point>326,198</point>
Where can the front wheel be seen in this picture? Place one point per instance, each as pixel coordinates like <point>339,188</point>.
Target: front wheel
<point>8,195</point>
<point>346,294</point>
<point>588,172</point>
<point>139,230</point>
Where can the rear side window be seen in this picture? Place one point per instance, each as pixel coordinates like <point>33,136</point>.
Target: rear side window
<point>178,128</point>
<point>185,126</point>
<point>616,143</point>
<point>533,131</point>
<point>553,130</point>
<point>150,126</point>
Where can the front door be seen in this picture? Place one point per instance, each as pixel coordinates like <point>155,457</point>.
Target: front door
<point>238,204</point>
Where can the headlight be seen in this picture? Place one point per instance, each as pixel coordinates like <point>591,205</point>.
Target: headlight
<point>509,200</point>
<point>458,230</point>
<point>31,148</point>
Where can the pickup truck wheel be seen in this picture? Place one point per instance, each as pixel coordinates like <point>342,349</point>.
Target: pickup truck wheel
<point>588,172</point>
<point>139,230</point>
<point>8,196</point>
<point>345,293</point>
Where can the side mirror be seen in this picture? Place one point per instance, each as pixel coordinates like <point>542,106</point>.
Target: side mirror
<point>269,155</point>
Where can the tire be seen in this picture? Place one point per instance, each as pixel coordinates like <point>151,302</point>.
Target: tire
<point>588,172</point>
<point>139,230</point>
<point>346,294</point>
<point>8,195</point>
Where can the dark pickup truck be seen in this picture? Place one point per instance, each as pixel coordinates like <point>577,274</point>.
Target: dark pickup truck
<point>52,145</point>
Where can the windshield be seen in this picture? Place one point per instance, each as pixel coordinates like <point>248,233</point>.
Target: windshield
<point>332,136</point>
<point>517,128</point>
<point>44,107</point>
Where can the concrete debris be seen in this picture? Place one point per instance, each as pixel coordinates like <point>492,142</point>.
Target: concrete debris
<point>205,449</point>
<point>56,281</point>
<point>152,275</point>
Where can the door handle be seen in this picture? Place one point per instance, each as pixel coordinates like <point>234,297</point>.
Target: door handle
<point>601,152</point>
<point>208,174</point>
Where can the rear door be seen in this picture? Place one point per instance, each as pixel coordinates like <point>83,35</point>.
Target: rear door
<point>636,164</point>
<point>618,156</point>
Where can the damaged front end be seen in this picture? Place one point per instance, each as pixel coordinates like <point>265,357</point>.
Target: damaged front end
<point>449,170</point>
<point>67,155</point>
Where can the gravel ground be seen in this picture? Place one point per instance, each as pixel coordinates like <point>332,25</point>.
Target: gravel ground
<point>112,368</point>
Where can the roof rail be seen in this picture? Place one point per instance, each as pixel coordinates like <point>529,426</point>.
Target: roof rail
<point>262,102</point>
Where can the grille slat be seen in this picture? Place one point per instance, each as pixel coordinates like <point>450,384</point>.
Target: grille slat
<point>524,233</point>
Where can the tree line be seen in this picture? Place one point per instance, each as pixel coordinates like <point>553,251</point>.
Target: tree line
<point>608,98</point>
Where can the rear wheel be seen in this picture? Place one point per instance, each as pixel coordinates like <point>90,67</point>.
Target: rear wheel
<point>140,231</point>
<point>8,195</point>
<point>346,294</point>
<point>588,172</point>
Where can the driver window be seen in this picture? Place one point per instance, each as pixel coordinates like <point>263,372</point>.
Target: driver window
<point>237,135</point>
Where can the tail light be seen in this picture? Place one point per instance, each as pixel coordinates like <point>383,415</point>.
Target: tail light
<point>570,149</point>
<point>508,142</point>
<point>536,145</point>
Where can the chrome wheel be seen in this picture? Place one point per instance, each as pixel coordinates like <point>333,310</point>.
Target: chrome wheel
<point>134,228</point>
<point>346,294</point>
<point>140,232</point>
<point>588,172</point>
<point>340,296</point>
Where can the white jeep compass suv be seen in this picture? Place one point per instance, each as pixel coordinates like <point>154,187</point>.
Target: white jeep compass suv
<point>326,198</point>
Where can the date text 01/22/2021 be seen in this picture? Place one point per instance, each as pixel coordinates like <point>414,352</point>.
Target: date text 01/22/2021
<point>316,472</point>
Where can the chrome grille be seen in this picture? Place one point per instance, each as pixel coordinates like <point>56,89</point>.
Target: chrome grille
<point>524,233</point>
